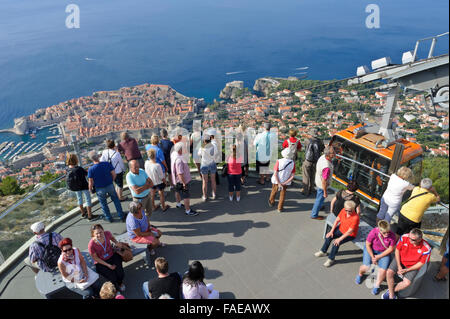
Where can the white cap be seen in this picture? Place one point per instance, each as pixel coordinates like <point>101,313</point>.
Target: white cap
<point>285,152</point>
<point>37,227</point>
<point>211,131</point>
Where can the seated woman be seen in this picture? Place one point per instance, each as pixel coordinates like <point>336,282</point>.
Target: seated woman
<point>78,277</point>
<point>348,221</point>
<point>380,243</point>
<point>193,285</point>
<point>345,194</point>
<point>107,262</point>
<point>140,231</point>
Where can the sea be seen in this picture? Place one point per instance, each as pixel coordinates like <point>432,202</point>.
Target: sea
<point>195,46</point>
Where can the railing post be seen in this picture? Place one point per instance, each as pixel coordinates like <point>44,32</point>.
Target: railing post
<point>433,45</point>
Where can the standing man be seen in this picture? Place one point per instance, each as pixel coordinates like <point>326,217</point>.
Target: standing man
<point>323,177</point>
<point>412,211</point>
<point>411,253</point>
<point>263,152</point>
<point>181,177</point>
<point>101,176</point>
<point>140,185</point>
<point>313,148</point>
<point>112,156</point>
<point>130,148</point>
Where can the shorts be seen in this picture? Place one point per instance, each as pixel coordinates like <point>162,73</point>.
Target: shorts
<point>146,204</point>
<point>405,225</point>
<point>261,164</point>
<point>119,180</point>
<point>211,168</point>
<point>87,197</point>
<point>382,263</point>
<point>159,187</point>
<point>184,192</point>
<point>145,240</point>
<point>410,275</point>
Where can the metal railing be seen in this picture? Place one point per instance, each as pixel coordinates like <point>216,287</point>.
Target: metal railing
<point>432,47</point>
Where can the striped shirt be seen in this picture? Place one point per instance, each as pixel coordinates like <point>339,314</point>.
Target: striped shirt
<point>36,251</point>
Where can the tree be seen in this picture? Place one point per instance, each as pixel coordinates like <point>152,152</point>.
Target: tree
<point>48,178</point>
<point>9,186</point>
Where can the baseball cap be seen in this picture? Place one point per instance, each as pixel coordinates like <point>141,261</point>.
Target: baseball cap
<point>37,227</point>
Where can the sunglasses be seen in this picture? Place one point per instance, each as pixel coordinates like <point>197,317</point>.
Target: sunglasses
<point>415,240</point>
<point>67,250</point>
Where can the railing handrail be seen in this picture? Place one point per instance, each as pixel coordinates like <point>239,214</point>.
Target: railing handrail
<point>433,44</point>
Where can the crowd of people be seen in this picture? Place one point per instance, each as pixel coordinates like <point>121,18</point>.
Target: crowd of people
<point>400,252</point>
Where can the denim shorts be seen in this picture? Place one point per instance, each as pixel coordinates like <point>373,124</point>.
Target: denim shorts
<point>211,168</point>
<point>87,197</point>
<point>382,263</point>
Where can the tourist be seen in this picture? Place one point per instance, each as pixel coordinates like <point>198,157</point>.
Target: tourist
<point>392,198</point>
<point>411,253</point>
<point>380,243</point>
<point>130,148</point>
<point>140,185</point>
<point>208,166</point>
<point>193,285</point>
<point>242,138</point>
<point>234,175</point>
<point>101,176</point>
<point>443,268</point>
<point>166,146</point>
<point>313,149</point>
<point>160,159</point>
<point>181,178</point>
<point>293,144</point>
<point>36,251</point>
<point>263,153</point>
<point>75,273</point>
<point>413,209</point>
<point>109,291</point>
<point>324,174</point>
<point>112,156</point>
<point>343,195</point>
<point>76,182</point>
<point>348,221</point>
<point>107,262</point>
<point>218,156</point>
<point>284,172</point>
<point>140,231</point>
<point>165,283</point>
<point>155,172</point>
<point>196,138</point>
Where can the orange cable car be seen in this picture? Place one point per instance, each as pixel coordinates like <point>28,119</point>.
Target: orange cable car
<point>365,160</point>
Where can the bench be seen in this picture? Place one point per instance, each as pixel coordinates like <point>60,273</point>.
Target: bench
<point>415,284</point>
<point>48,283</point>
<point>363,230</point>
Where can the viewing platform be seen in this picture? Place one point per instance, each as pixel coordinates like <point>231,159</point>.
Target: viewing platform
<point>249,250</point>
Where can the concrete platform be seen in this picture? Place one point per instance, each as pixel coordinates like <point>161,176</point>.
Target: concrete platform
<point>249,250</point>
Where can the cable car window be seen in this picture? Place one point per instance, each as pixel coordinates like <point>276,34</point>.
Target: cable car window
<point>369,181</point>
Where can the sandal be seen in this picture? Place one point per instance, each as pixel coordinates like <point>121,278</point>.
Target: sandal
<point>166,208</point>
<point>435,278</point>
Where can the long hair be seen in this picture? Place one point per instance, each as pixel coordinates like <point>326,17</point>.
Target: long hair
<point>195,274</point>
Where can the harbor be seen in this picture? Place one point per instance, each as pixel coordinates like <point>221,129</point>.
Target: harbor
<point>12,145</point>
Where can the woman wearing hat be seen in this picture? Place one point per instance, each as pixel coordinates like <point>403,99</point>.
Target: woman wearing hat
<point>284,171</point>
<point>75,273</point>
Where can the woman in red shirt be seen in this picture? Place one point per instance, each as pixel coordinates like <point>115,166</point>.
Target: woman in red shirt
<point>107,262</point>
<point>234,174</point>
<point>348,221</point>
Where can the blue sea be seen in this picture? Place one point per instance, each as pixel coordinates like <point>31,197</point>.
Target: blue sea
<point>192,44</point>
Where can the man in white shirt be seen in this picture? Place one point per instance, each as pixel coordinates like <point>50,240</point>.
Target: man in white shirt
<point>112,155</point>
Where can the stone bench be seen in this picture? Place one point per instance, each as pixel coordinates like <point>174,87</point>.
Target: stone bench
<point>48,283</point>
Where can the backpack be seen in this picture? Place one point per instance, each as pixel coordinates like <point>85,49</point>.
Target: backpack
<point>76,181</point>
<point>51,253</point>
<point>312,153</point>
<point>110,159</point>
<point>292,150</point>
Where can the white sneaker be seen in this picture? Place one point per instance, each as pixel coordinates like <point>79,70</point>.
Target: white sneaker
<point>320,254</point>
<point>204,198</point>
<point>213,196</point>
<point>328,263</point>
<point>238,199</point>
<point>231,198</point>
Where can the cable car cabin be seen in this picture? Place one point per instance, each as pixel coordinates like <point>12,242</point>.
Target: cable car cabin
<point>369,157</point>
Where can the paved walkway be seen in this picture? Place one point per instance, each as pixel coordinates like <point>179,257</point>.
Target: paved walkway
<point>248,248</point>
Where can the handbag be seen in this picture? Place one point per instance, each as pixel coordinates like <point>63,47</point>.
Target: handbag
<point>125,253</point>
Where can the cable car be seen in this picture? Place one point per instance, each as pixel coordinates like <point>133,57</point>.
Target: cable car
<point>363,157</point>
